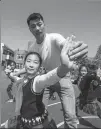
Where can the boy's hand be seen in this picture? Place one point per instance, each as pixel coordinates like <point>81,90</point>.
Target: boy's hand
<point>7,71</point>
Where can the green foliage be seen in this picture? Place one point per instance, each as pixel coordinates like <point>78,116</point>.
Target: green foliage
<point>90,62</point>
<point>97,58</point>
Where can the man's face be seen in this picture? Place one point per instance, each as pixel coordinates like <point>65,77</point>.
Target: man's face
<point>32,64</point>
<point>37,27</point>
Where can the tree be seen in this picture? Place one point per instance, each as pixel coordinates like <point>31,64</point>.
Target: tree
<point>97,58</point>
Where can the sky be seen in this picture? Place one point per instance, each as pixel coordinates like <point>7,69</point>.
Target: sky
<point>79,17</point>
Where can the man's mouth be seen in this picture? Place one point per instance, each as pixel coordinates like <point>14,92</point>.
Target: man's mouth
<point>30,69</point>
<point>39,32</point>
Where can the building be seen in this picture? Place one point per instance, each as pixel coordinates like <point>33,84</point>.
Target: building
<point>19,56</point>
<point>7,54</point>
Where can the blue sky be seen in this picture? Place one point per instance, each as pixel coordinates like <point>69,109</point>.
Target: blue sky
<point>79,17</point>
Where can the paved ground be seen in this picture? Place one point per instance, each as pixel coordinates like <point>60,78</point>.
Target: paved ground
<point>54,108</point>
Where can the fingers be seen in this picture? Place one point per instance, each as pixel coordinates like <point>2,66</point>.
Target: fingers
<point>81,54</point>
<point>78,48</point>
<point>82,57</point>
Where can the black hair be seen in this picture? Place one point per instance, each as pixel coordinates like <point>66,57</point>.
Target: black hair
<point>93,66</point>
<point>13,62</point>
<point>34,16</point>
<point>83,65</point>
<point>33,53</point>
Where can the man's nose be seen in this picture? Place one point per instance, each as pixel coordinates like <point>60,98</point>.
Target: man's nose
<point>37,27</point>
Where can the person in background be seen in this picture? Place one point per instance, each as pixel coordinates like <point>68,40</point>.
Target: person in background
<point>99,73</point>
<point>90,86</point>
<point>10,69</point>
<point>83,70</point>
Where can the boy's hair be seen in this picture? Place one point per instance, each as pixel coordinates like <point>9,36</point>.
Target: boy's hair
<point>83,65</point>
<point>33,53</point>
<point>34,16</point>
<point>13,62</point>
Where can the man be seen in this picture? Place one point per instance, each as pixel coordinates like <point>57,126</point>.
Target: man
<point>49,46</point>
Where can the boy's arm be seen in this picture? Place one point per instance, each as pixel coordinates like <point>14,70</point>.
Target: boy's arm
<point>50,78</point>
<point>55,75</point>
<point>20,72</point>
<point>14,78</point>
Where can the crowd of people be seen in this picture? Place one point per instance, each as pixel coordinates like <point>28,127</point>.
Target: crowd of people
<point>47,69</point>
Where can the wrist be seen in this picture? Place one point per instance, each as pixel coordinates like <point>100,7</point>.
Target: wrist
<point>62,70</point>
<point>74,66</point>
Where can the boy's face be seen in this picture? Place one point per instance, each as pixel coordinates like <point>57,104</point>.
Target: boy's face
<point>32,64</point>
<point>37,27</point>
<point>12,66</point>
<point>83,71</point>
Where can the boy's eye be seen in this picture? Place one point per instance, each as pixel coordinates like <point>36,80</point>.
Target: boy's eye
<point>36,62</point>
<point>28,61</point>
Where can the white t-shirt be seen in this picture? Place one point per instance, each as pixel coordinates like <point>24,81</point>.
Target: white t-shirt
<point>49,50</point>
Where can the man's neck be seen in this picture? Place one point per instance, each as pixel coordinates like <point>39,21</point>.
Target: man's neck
<point>39,40</point>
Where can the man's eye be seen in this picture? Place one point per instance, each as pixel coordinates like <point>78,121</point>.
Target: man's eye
<point>39,24</point>
<point>33,26</point>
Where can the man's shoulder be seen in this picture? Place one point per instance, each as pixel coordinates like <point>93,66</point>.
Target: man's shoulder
<point>54,35</point>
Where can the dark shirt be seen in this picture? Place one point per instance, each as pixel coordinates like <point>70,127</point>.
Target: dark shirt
<point>88,86</point>
<point>32,104</point>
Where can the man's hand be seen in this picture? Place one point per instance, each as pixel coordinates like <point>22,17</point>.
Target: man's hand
<point>64,57</point>
<point>80,50</point>
<point>66,63</point>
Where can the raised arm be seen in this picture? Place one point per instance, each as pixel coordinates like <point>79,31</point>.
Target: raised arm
<point>59,40</point>
<point>13,77</point>
<point>20,72</point>
<point>55,75</point>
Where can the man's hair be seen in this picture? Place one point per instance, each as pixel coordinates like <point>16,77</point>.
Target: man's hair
<point>34,16</point>
<point>33,53</point>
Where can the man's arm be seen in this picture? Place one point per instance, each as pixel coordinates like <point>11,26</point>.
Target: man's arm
<point>78,49</point>
<point>59,40</point>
